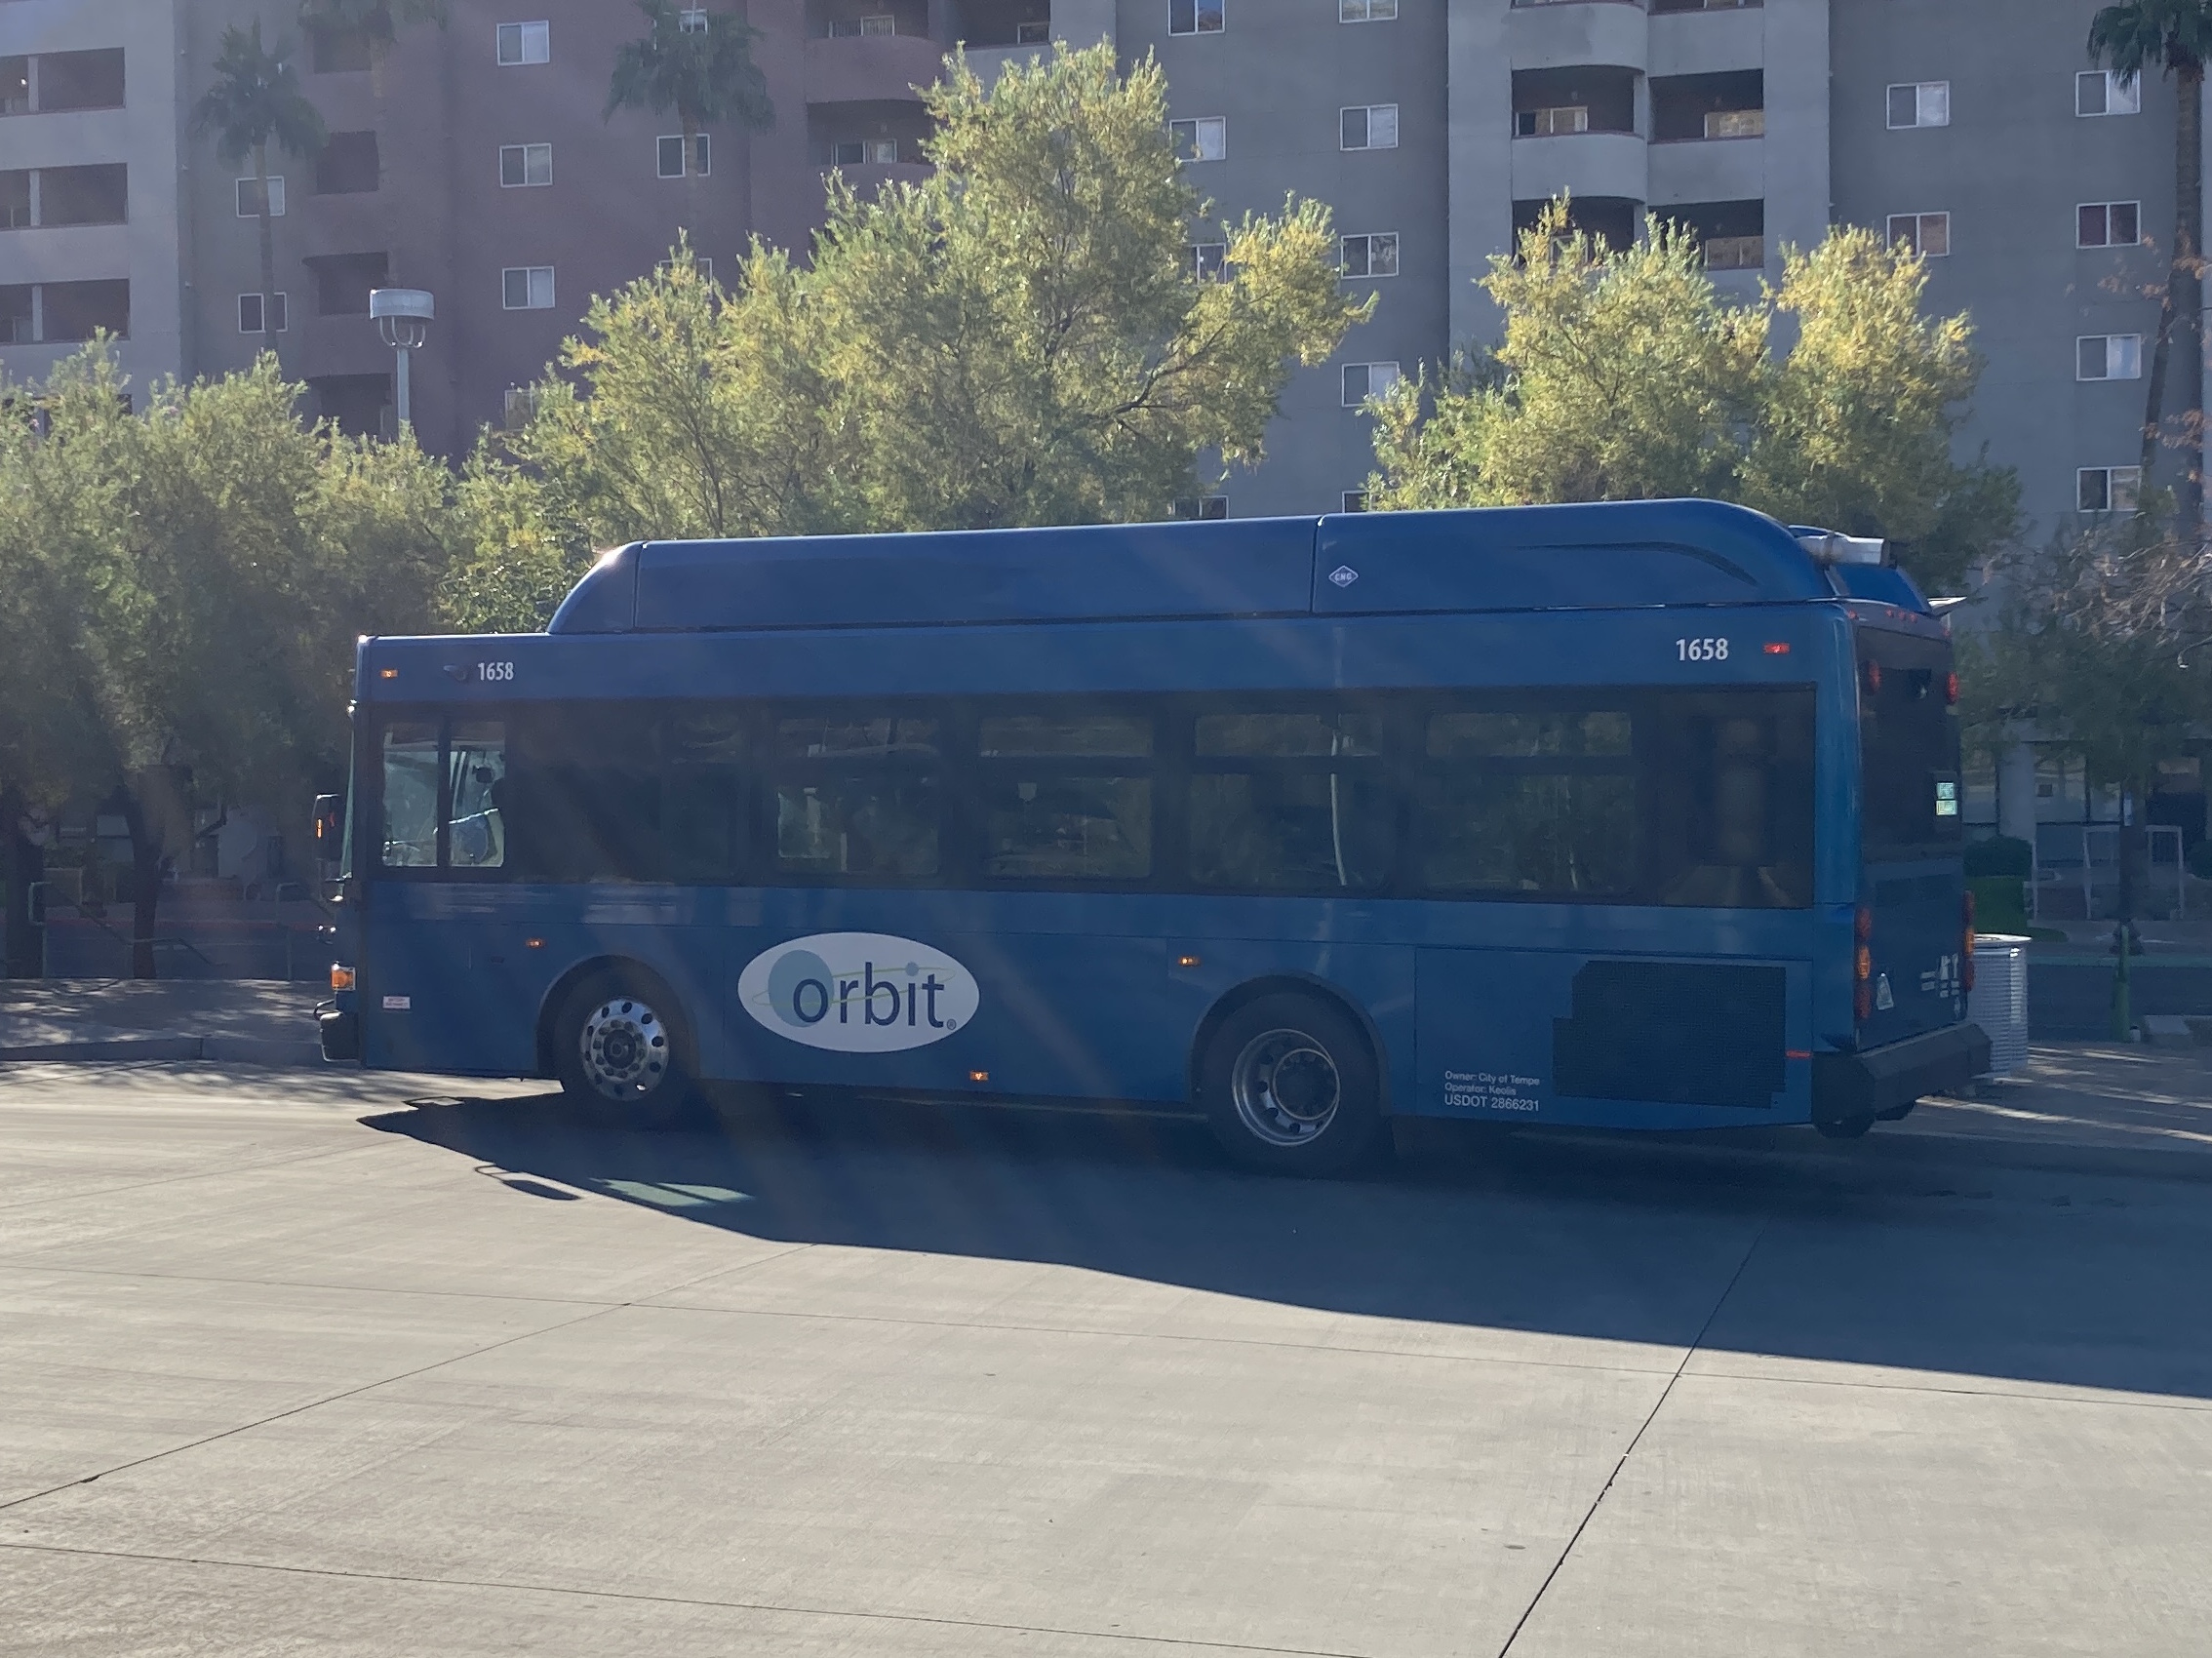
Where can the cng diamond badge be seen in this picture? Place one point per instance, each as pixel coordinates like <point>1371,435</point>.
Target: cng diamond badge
<point>1344,575</point>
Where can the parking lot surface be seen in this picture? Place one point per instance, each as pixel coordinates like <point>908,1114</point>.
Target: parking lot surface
<point>298,1361</point>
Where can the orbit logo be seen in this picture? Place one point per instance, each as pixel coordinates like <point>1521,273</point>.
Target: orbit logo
<point>857,992</point>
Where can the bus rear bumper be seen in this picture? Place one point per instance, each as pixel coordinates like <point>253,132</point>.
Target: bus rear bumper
<point>1849,1088</point>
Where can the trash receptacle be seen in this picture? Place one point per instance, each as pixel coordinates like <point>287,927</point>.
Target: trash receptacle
<point>1999,1000</point>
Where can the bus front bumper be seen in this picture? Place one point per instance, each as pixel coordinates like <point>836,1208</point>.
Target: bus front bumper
<point>340,1031</point>
<point>1877,1082</point>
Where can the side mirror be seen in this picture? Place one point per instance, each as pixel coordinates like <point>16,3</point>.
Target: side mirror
<point>330,827</point>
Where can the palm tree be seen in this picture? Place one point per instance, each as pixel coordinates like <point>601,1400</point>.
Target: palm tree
<point>376,22</point>
<point>256,101</point>
<point>697,65</point>
<point>2175,35</point>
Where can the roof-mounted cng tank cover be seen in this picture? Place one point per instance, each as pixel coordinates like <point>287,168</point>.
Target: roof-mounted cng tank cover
<point>1831,546</point>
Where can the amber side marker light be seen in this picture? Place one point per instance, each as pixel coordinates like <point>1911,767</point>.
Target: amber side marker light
<point>1777,648</point>
<point>979,1076</point>
<point>341,978</point>
<point>388,673</point>
<point>1186,961</point>
<point>533,943</point>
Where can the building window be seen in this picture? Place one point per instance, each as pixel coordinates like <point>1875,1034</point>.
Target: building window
<point>2108,357</point>
<point>2107,225</point>
<point>527,288</point>
<point>1205,138</point>
<point>1207,262</point>
<point>853,29</point>
<point>2108,489</point>
<point>254,317</point>
<point>250,197</point>
<point>700,263</point>
<point>1354,500</point>
<point>519,408</point>
<point>1362,380</point>
<point>1367,10</point>
<point>1370,126</point>
<point>1557,122</point>
<point>525,166</point>
<point>1202,507</point>
<point>1927,234</point>
<point>864,152</point>
<point>692,19</point>
<point>669,152</point>
<point>2100,92</point>
<point>1373,255</point>
<point>525,43</point>
<point>1194,17</point>
<point>1919,103</point>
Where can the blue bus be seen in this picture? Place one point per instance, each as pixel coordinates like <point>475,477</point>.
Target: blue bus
<point>1634,816</point>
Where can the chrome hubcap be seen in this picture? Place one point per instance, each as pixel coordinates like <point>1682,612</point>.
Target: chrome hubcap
<point>1285,1088</point>
<point>625,1049</point>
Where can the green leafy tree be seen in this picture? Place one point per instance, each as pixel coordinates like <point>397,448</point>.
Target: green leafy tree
<point>1620,378</point>
<point>2089,648</point>
<point>196,574</point>
<point>1625,376</point>
<point>696,65</point>
<point>1021,338</point>
<point>255,102</point>
<point>2176,36</point>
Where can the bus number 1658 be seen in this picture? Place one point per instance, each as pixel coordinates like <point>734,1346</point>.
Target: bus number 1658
<point>1700,650</point>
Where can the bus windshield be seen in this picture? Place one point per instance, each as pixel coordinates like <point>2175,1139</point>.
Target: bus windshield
<point>1907,746</point>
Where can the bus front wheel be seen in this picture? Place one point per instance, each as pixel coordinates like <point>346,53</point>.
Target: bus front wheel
<point>618,1053</point>
<point>1290,1086</point>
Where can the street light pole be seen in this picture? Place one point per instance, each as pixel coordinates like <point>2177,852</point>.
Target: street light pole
<point>403,321</point>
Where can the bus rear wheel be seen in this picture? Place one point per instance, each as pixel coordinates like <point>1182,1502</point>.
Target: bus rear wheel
<point>618,1052</point>
<point>1290,1086</point>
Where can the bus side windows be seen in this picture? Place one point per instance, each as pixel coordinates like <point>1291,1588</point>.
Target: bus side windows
<point>1065,797</point>
<point>1729,782</point>
<point>855,793</point>
<point>1292,801</point>
<point>1531,802</point>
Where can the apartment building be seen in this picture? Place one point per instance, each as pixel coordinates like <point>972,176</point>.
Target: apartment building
<point>476,161</point>
<point>90,158</point>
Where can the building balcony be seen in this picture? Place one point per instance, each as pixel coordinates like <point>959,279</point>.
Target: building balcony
<point>1708,170</point>
<point>868,178</point>
<point>64,252</point>
<point>1560,34</point>
<point>1707,42</point>
<point>883,68</point>
<point>1581,164</point>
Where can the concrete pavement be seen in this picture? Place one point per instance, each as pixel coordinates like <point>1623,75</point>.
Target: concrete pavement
<point>292,1363</point>
<point>242,1021</point>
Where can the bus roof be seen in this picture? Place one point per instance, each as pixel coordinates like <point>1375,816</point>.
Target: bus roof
<point>1598,556</point>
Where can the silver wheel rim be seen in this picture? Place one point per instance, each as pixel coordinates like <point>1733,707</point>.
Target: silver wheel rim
<point>625,1049</point>
<point>1285,1088</point>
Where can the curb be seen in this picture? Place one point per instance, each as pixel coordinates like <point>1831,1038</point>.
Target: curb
<point>282,1052</point>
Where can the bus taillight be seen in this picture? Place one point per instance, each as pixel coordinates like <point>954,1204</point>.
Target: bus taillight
<point>1862,965</point>
<point>1966,946</point>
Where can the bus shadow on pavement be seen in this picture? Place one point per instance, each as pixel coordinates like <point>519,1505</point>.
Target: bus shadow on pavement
<point>1872,1254</point>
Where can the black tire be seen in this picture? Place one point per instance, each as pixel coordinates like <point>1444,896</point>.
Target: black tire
<point>1845,1127</point>
<point>622,1051</point>
<point>1290,1086</point>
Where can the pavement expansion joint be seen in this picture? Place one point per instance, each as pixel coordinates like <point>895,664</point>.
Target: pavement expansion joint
<point>772,1607</point>
<point>1161,1335</point>
<point>1628,1450</point>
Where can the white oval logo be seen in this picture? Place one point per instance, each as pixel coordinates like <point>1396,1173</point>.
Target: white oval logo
<point>857,992</point>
